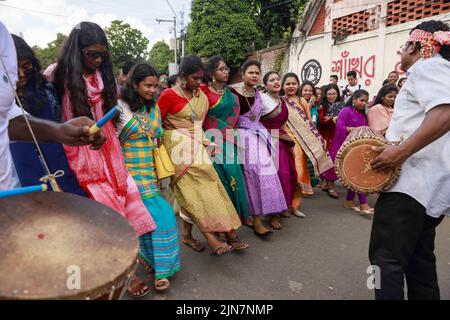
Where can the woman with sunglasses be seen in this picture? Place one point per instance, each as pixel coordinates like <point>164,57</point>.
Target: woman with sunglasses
<point>85,83</point>
<point>39,99</point>
<point>222,115</point>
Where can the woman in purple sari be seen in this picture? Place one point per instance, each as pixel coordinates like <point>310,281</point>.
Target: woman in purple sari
<point>351,116</point>
<point>275,114</point>
<point>265,194</point>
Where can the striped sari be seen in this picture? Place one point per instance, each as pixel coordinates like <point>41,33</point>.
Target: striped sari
<point>159,248</point>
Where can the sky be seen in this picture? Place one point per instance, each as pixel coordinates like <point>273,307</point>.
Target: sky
<point>40,20</point>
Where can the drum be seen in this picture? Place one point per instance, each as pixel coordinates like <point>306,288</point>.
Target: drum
<point>63,246</point>
<point>353,162</point>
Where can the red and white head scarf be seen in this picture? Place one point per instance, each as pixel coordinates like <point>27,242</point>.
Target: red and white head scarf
<point>431,42</point>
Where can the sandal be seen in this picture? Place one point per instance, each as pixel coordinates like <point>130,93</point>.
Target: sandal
<point>276,226</point>
<point>162,284</point>
<point>221,251</point>
<point>138,288</point>
<point>367,212</point>
<point>194,244</point>
<point>238,244</point>
<point>146,265</point>
<point>353,208</point>
<point>333,194</point>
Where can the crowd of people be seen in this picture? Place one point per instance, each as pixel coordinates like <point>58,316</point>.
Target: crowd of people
<point>241,155</point>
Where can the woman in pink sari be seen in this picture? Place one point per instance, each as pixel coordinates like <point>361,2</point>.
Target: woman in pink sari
<point>85,83</point>
<point>380,115</point>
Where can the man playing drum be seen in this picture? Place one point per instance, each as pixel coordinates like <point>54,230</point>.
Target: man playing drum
<point>406,216</point>
<point>73,132</point>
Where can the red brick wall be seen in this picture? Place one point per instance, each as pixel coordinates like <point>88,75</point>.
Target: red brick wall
<point>319,25</point>
<point>267,57</point>
<point>353,23</point>
<point>402,11</point>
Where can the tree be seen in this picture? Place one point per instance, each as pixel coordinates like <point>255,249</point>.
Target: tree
<point>224,27</point>
<point>160,56</point>
<point>277,18</point>
<point>126,43</point>
<point>49,55</point>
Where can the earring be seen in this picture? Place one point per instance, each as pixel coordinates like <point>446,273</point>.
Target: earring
<point>184,83</point>
<point>214,80</point>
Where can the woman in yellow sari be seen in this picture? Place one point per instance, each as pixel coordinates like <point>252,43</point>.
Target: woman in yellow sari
<point>196,185</point>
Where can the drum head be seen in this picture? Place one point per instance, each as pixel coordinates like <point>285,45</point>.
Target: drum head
<point>354,170</point>
<point>62,246</point>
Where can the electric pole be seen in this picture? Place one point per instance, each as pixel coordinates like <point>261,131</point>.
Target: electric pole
<point>182,33</point>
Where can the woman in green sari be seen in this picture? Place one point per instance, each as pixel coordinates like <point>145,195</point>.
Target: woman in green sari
<point>219,126</point>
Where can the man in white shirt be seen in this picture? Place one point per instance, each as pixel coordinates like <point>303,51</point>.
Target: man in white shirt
<point>352,85</point>
<point>405,219</point>
<point>12,122</point>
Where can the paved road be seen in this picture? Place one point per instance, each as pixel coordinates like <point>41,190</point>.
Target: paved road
<point>321,257</point>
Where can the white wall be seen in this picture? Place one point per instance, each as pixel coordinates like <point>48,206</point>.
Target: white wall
<point>374,54</point>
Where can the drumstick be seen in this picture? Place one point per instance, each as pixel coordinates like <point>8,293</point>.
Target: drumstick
<point>24,190</point>
<point>111,114</point>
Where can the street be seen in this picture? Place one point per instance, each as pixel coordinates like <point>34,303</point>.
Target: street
<point>324,256</point>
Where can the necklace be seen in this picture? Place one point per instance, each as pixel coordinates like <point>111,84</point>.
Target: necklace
<point>142,116</point>
<point>250,94</point>
<point>276,99</point>
<point>194,116</point>
<point>247,93</point>
<point>220,92</point>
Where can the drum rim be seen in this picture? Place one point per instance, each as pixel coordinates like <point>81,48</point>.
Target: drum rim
<point>344,149</point>
<point>90,294</point>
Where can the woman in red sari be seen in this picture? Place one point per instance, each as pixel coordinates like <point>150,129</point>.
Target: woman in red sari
<point>329,109</point>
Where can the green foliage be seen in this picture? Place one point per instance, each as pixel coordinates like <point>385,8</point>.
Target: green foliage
<point>160,56</point>
<point>49,55</point>
<point>126,43</point>
<point>277,18</point>
<point>223,27</point>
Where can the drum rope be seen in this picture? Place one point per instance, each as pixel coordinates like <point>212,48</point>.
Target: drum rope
<point>49,177</point>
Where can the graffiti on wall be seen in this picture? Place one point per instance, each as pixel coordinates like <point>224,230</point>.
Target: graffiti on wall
<point>398,65</point>
<point>364,66</point>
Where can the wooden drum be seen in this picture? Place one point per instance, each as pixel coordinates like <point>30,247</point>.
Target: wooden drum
<point>353,162</point>
<point>62,246</point>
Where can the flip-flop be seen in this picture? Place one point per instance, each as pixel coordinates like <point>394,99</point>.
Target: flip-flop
<point>352,208</point>
<point>216,253</point>
<point>333,194</point>
<point>195,245</point>
<point>367,212</point>
<point>243,245</point>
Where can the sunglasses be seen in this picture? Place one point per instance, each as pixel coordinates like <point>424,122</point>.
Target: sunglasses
<point>95,54</point>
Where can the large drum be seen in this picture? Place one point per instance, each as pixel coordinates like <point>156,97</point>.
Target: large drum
<point>353,162</point>
<point>62,246</point>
